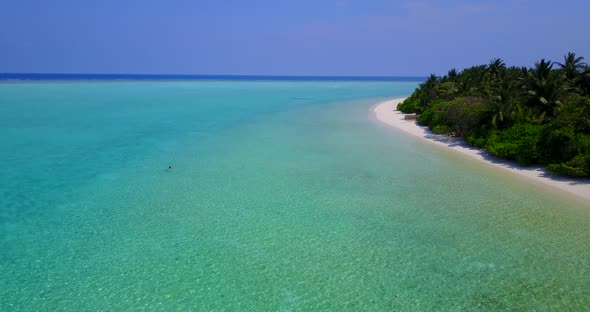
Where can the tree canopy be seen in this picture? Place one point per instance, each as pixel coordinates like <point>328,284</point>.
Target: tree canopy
<point>537,115</point>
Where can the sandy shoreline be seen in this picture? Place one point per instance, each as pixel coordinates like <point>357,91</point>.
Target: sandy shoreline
<point>386,113</point>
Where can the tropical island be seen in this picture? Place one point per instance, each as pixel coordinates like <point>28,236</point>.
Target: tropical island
<point>534,116</point>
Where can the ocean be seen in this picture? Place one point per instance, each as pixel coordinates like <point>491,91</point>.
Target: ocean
<point>284,195</point>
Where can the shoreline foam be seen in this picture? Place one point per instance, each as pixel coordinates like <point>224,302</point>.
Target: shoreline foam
<point>386,112</point>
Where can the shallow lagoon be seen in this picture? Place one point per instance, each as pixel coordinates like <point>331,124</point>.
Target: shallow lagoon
<point>284,195</point>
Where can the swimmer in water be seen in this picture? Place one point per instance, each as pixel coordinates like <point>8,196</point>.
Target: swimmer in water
<point>169,168</point>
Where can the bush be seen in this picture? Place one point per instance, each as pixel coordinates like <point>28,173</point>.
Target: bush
<point>441,129</point>
<point>478,136</point>
<point>435,114</point>
<point>416,103</point>
<point>409,106</point>
<point>583,143</point>
<point>461,115</point>
<point>465,113</point>
<point>558,144</point>
<point>578,167</point>
<point>519,142</point>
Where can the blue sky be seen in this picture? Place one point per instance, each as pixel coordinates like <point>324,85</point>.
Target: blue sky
<point>285,37</point>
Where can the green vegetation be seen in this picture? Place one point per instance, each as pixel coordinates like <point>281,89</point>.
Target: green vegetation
<point>538,115</point>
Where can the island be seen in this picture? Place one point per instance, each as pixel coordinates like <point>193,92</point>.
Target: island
<point>533,116</point>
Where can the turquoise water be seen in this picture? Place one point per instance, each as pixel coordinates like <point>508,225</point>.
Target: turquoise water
<point>284,196</point>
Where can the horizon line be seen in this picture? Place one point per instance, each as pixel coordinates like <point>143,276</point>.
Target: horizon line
<point>5,76</point>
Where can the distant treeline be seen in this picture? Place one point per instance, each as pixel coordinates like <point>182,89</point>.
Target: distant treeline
<point>538,115</point>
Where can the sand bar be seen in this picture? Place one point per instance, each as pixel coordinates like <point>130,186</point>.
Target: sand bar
<point>387,113</point>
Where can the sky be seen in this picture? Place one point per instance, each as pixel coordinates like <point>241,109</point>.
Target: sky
<point>285,37</point>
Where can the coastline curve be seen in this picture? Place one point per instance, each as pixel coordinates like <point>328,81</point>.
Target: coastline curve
<point>386,113</point>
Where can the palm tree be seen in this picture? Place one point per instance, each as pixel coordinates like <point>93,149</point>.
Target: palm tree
<point>504,101</point>
<point>471,82</point>
<point>430,81</point>
<point>429,86</point>
<point>542,69</point>
<point>572,65</point>
<point>447,88</point>
<point>452,74</point>
<point>583,81</point>
<point>544,86</point>
<point>496,65</point>
<point>526,115</point>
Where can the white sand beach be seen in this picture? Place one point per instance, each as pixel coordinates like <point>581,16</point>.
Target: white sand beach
<point>387,113</point>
